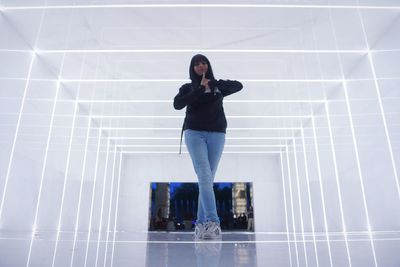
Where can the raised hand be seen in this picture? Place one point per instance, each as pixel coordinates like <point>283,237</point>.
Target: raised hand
<point>204,82</point>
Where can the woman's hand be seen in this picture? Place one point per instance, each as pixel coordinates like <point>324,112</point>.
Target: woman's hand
<point>204,82</point>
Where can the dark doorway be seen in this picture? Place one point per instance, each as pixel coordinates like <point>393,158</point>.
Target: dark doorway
<point>173,206</point>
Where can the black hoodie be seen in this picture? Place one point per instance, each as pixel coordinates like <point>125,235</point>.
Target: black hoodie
<point>204,111</point>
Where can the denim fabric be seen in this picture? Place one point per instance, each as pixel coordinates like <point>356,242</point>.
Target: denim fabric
<point>205,149</point>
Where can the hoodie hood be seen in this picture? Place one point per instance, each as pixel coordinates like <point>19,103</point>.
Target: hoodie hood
<point>196,79</point>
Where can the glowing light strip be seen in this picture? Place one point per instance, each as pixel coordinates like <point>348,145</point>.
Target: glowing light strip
<point>326,106</point>
<point>116,209</point>
<point>307,101</point>
<point>291,51</point>
<point>274,51</point>
<point>184,80</point>
<point>110,205</point>
<point>111,199</point>
<point>353,138</point>
<point>286,210</point>
<point>244,242</point>
<point>65,183</point>
<point>292,205</point>
<point>304,51</point>
<point>102,202</point>
<point>75,115</point>
<point>16,136</point>
<point>299,198</point>
<point>359,171</point>
<point>377,88</point>
<point>321,189</point>
<point>378,92</point>
<point>338,183</point>
<point>93,195</point>
<point>182,117</point>
<point>95,180</point>
<point>270,6</point>
<point>58,86</point>
<point>32,79</point>
<point>178,138</point>
<point>225,101</point>
<point>228,129</point>
<point>80,190</point>
<point>309,197</point>
<point>185,152</point>
<point>89,128</point>
<point>178,145</point>
<point>43,171</point>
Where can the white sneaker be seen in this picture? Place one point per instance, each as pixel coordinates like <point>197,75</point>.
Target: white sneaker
<point>212,230</point>
<point>199,231</point>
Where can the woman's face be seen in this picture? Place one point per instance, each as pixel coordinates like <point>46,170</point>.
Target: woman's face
<point>200,67</point>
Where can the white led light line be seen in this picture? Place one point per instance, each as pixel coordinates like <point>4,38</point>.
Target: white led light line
<point>382,110</point>
<point>274,51</point>
<point>110,206</point>
<point>178,145</point>
<point>299,198</point>
<point>334,165</point>
<point>43,169</point>
<point>360,173</point>
<point>93,195</point>
<point>354,142</point>
<point>185,80</point>
<point>228,129</point>
<point>268,6</point>
<point>309,196</point>
<point>185,152</point>
<point>89,128</point>
<point>117,80</point>
<point>225,101</point>
<point>292,205</point>
<point>67,166</point>
<point>94,191</point>
<point>94,188</point>
<point>58,85</point>
<point>116,210</point>
<point>178,138</point>
<point>102,202</point>
<point>337,181</point>
<point>33,56</point>
<point>321,189</point>
<point>65,183</point>
<point>109,209</point>
<point>80,191</point>
<point>286,210</point>
<point>182,117</point>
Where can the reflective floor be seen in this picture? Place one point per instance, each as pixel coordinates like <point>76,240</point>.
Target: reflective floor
<point>179,249</point>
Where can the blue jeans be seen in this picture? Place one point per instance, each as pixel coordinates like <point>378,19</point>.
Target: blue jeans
<point>205,149</point>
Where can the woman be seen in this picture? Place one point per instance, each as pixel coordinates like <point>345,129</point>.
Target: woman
<point>205,128</point>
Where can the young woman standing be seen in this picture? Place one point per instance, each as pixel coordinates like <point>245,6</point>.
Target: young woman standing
<point>205,129</point>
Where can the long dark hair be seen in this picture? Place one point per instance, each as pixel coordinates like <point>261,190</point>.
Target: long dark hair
<point>196,79</point>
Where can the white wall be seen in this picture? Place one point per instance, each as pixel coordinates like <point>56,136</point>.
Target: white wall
<point>263,170</point>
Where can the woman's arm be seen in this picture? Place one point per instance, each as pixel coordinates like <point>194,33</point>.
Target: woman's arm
<point>228,87</point>
<point>186,95</point>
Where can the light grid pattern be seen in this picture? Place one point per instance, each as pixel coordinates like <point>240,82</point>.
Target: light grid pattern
<point>87,90</point>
